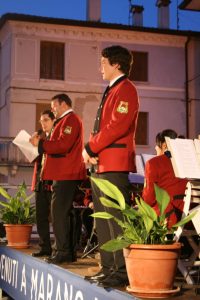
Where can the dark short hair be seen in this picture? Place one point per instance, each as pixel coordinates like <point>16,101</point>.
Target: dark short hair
<point>119,55</point>
<point>63,98</point>
<point>49,113</point>
<point>160,137</point>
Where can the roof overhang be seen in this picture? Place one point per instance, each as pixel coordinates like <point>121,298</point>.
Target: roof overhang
<point>190,5</point>
<point>91,24</point>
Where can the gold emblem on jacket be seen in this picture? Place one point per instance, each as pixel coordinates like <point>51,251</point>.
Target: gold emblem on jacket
<point>123,107</point>
<point>68,130</point>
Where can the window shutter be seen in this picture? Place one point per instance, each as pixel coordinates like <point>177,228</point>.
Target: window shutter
<point>139,70</point>
<point>141,137</point>
<point>52,60</point>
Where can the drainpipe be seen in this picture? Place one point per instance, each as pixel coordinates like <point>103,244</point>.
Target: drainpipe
<point>187,101</point>
<point>5,102</point>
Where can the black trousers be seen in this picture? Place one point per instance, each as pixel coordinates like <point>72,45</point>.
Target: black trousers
<point>43,205</point>
<point>61,210</point>
<point>108,229</point>
<point>87,220</point>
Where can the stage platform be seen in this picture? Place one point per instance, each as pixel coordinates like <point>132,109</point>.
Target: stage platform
<point>23,277</point>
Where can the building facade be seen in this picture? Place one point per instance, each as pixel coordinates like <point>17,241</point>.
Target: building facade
<point>41,57</point>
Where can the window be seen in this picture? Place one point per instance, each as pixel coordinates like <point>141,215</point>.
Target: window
<point>52,60</point>
<point>139,70</point>
<point>142,129</point>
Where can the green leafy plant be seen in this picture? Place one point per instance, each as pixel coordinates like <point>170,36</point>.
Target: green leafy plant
<point>17,209</point>
<point>141,225</point>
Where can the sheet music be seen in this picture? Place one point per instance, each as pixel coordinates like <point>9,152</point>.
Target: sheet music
<point>139,165</point>
<point>22,141</point>
<point>147,157</point>
<point>184,158</point>
<point>196,218</point>
<point>197,147</point>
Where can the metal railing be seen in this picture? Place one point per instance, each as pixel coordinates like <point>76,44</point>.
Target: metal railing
<point>10,154</point>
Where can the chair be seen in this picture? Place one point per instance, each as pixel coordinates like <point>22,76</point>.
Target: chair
<point>192,195</point>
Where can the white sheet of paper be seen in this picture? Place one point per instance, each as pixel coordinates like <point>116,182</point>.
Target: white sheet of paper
<point>184,158</point>
<point>196,218</point>
<point>147,157</point>
<point>139,165</point>
<point>197,147</point>
<point>22,141</point>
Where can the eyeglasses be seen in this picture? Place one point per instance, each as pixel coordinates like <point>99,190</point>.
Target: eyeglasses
<point>44,120</point>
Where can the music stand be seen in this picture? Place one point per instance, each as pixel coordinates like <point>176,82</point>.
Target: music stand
<point>87,250</point>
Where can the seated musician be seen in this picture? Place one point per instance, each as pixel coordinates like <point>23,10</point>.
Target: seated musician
<point>159,170</point>
<point>83,205</point>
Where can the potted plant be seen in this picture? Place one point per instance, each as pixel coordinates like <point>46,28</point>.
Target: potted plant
<point>18,215</point>
<point>150,252</point>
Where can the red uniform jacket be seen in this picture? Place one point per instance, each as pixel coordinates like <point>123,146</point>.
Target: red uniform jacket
<point>114,144</point>
<point>37,184</point>
<point>35,171</point>
<point>159,170</point>
<point>64,150</point>
<point>36,180</point>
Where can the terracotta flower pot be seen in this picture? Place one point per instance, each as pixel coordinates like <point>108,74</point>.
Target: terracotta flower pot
<point>151,269</point>
<point>18,236</point>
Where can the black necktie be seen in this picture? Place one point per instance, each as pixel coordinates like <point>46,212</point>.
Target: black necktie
<point>56,122</point>
<point>99,111</point>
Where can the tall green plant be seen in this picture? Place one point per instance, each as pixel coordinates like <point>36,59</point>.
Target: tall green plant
<point>141,225</point>
<point>17,209</point>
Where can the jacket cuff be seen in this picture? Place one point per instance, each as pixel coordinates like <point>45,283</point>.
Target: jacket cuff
<point>40,147</point>
<point>89,151</point>
<point>86,202</point>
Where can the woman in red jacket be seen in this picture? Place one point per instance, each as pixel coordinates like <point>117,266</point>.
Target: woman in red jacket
<point>159,170</point>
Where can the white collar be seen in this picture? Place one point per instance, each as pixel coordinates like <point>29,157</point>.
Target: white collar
<point>115,79</point>
<point>66,112</point>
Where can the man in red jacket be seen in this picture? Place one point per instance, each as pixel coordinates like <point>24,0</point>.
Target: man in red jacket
<point>42,189</point>
<point>111,151</point>
<point>65,166</point>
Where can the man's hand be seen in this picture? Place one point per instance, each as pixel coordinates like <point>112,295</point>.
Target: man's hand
<point>88,159</point>
<point>91,205</point>
<point>34,140</point>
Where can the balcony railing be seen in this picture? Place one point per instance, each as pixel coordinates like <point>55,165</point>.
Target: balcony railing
<point>10,154</point>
